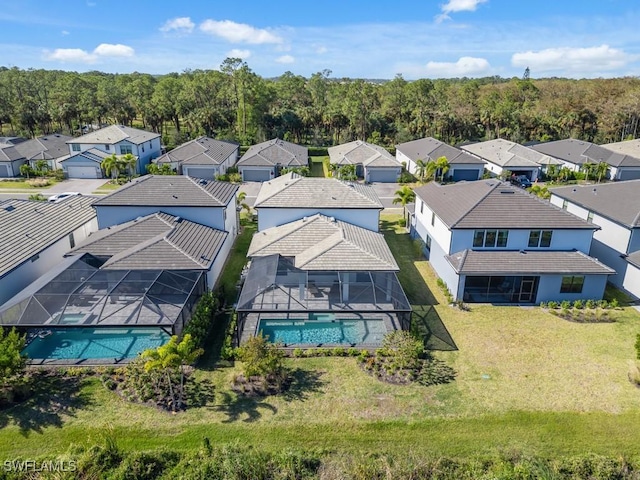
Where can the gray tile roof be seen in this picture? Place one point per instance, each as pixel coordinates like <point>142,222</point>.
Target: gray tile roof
<point>157,241</point>
<point>321,243</point>
<point>294,191</point>
<point>201,151</point>
<point>628,147</point>
<point>430,149</point>
<point>114,134</point>
<point>274,152</point>
<point>29,227</point>
<point>634,259</point>
<point>359,152</point>
<point>470,262</point>
<point>9,153</point>
<point>92,154</point>
<point>507,154</point>
<point>618,201</point>
<point>580,152</point>
<point>47,147</point>
<point>171,190</point>
<point>494,204</point>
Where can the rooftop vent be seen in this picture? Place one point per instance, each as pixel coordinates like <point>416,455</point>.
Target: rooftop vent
<point>332,219</point>
<point>175,196</point>
<point>511,192</point>
<point>9,208</point>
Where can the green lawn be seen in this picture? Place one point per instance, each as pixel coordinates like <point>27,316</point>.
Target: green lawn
<point>527,381</point>
<point>316,166</point>
<point>23,185</point>
<point>107,187</point>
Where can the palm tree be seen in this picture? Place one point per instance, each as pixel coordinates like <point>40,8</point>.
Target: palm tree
<point>404,195</point>
<point>431,170</point>
<point>129,162</point>
<point>587,167</point>
<point>421,168</point>
<point>25,170</point>
<point>111,166</point>
<point>601,170</point>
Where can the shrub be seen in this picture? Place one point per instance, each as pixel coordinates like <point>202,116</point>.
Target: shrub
<point>591,304</point>
<point>578,304</point>
<point>235,178</point>
<point>614,303</point>
<point>228,352</point>
<point>637,345</point>
<point>297,352</point>
<point>603,303</point>
<point>203,319</point>
<point>261,358</point>
<point>565,305</point>
<point>543,304</point>
<point>552,305</point>
<point>403,347</point>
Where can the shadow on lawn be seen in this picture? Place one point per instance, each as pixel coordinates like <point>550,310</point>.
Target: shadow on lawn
<point>53,397</point>
<point>200,393</point>
<point>303,383</point>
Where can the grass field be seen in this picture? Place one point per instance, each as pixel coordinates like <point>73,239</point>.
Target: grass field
<point>316,166</point>
<point>23,185</point>
<point>527,381</point>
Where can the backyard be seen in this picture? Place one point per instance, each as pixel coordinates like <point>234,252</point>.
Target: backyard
<point>527,381</point>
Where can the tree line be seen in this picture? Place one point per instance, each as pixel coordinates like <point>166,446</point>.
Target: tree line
<point>235,103</point>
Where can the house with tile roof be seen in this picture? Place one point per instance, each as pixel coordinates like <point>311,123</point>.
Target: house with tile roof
<point>494,243</point>
<point>291,197</point>
<point>574,154</point>
<point>36,235</point>
<point>372,162</point>
<point>462,166</point>
<point>114,139</point>
<point>503,156</point>
<point>325,273</point>
<point>625,165</point>
<point>50,148</point>
<point>158,241</point>
<point>10,161</point>
<point>203,157</point>
<point>265,160</point>
<point>614,208</point>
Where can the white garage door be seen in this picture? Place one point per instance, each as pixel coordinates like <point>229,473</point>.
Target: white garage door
<point>202,172</point>
<point>256,175</point>
<point>387,175</point>
<point>82,172</point>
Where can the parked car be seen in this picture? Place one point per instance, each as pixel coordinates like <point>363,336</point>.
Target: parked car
<point>61,196</point>
<point>521,181</point>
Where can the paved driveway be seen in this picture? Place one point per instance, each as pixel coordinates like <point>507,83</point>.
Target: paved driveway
<point>251,189</point>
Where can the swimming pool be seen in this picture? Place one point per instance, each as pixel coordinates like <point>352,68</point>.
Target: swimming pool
<point>314,332</point>
<point>93,343</point>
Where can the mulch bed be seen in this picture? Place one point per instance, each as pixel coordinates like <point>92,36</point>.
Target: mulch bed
<point>261,386</point>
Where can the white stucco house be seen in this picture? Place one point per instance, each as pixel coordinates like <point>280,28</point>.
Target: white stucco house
<point>372,162</point>
<point>492,242</point>
<point>50,148</point>
<point>114,139</point>
<point>292,197</point>
<point>265,160</point>
<point>203,157</point>
<point>615,209</point>
<point>625,164</point>
<point>36,236</point>
<point>503,156</point>
<point>462,166</point>
<point>10,161</point>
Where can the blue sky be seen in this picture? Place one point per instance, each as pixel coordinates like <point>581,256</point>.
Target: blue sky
<point>373,39</point>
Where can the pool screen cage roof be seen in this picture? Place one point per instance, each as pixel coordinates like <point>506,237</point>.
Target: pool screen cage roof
<point>274,284</point>
<point>80,294</point>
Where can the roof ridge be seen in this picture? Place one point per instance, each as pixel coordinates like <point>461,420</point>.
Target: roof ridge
<point>197,183</point>
<point>348,184</point>
<point>359,247</point>
<point>132,250</point>
<point>493,187</point>
<point>328,243</point>
<point>295,178</point>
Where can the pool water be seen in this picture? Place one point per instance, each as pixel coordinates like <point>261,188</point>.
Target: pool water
<point>93,343</point>
<point>341,332</point>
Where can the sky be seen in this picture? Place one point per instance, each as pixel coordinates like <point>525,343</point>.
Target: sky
<point>357,39</point>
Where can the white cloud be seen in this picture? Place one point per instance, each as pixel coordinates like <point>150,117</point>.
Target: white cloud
<point>179,24</point>
<point>465,66</point>
<point>238,32</point>
<point>453,6</point>
<point>77,55</point>
<point>285,59</point>
<point>572,59</point>
<point>64,32</point>
<point>114,50</point>
<point>237,53</point>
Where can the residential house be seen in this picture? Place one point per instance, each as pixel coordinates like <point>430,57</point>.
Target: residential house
<point>265,160</point>
<point>615,209</point>
<point>204,202</point>
<point>36,235</point>
<point>203,157</point>
<point>493,242</point>
<point>10,161</point>
<point>50,148</point>
<point>319,281</point>
<point>502,156</point>
<point>462,166</point>
<point>373,163</point>
<point>574,154</point>
<point>158,241</point>
<point>626,165</point>
<point>85,164</point>
<point>292,197</point>
<point>114,139</point>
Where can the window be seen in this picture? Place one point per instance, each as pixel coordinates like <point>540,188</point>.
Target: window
<point>421,207</point>
<point>565,204</point>
<point>427,242</point>
<point>490,238</point>
<point>35,257</point>
<point>540,238</point>
<point>124,149</point>
<point>72,240</point>
<point>572,284</point>
<point>107,147</point>
<point>590,217</point>
<point>433,218</point>
<point>75,147</point>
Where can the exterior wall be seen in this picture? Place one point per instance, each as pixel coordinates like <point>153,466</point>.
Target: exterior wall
<point>272,217</point>
<point>631,281</point>
<point>444,270</point>
<point>29,271</point>
<point>13,168</point>
<point>571,166</point>
<point>634,241</point>
<point>496,170</point>
<point>549,288</point>
<point>145,151</point>
<point>114,215</point>
<point>81,161</point>
<point>411,165</point>
<point>439,232</point>
<point>231,226</point>
<point>611,258</point>
<point>519,240</point>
